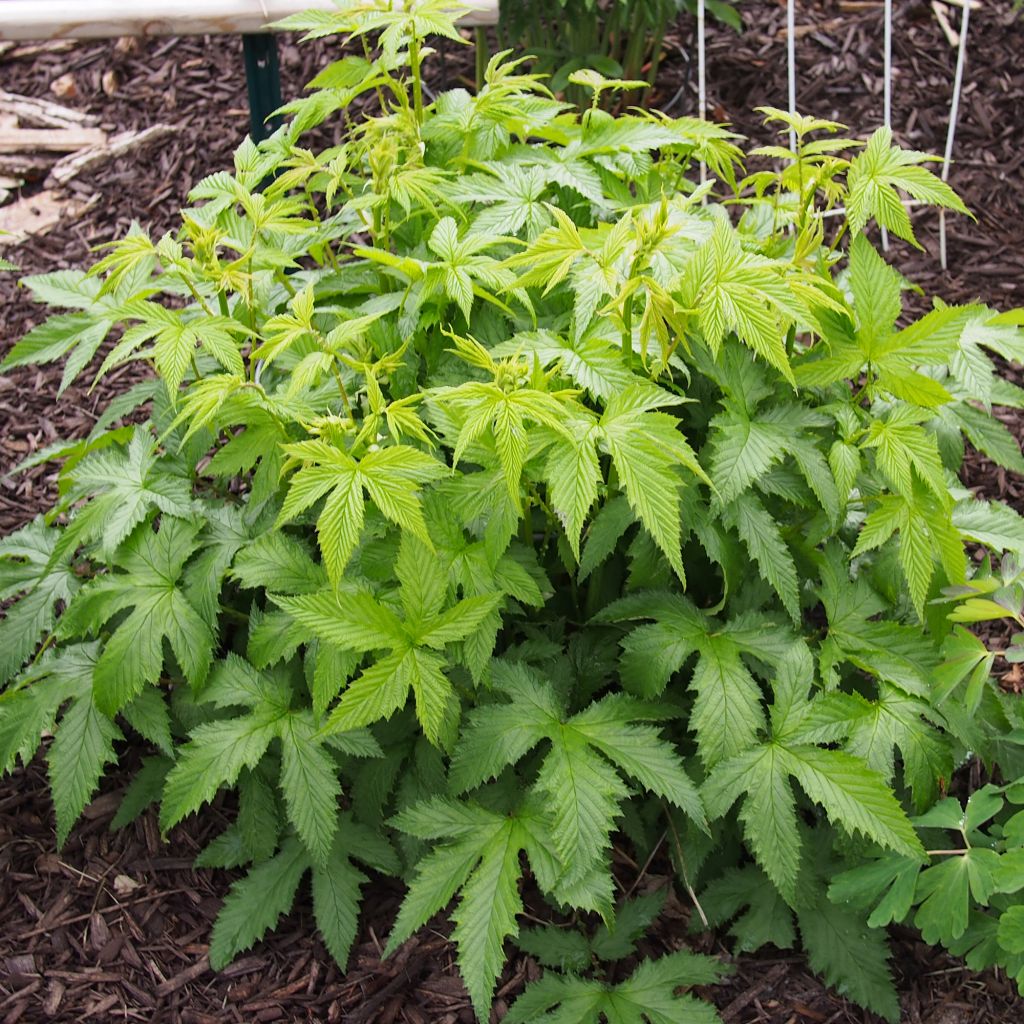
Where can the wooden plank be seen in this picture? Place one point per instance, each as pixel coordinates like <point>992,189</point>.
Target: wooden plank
<point>49,140</point>
<point>104,19</point>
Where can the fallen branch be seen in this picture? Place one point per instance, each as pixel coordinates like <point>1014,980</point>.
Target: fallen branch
<point>116,145</point>
<point>952,36</point>
<point>50,140</point>
<point>31,110</point>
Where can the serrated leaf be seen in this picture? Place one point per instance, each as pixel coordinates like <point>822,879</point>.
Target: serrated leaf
<point>309,781</point>
<point>82,748</point>
<point>255,903</point>
<point>214,756</point>
<point>850,956</point>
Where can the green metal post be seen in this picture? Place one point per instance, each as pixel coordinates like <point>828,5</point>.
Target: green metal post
<point>263,79</point>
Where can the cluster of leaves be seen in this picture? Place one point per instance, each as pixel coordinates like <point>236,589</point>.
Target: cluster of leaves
<point>499,493</point>
<point>623,39</point>
<point>967,897</point>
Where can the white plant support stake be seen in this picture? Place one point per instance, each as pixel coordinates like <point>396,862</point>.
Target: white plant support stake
<point>702,85</point>
<point>954,111</point>
<point>791,61</point>
<point>887,90</point>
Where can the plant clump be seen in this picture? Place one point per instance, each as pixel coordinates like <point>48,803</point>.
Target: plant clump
<point>502,493</point>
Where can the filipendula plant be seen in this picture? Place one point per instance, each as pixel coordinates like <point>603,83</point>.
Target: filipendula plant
<point>500,495</point>
<point>618,38</point>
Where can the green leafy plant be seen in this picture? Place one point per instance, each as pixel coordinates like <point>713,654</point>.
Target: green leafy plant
<point>503,497</point>
<point>650,993</point>
<point>622,39</point>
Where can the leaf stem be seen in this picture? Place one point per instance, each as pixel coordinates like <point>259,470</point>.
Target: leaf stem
<point>342,391</point>
<point>417,82</point>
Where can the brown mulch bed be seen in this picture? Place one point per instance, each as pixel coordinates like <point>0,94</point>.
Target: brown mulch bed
<point>115,926</point>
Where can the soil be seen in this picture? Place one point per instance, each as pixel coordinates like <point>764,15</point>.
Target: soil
<point>115,926</point>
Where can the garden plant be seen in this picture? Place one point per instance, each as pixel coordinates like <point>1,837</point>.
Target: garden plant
<point>502,497</point>
<point>619,38</point>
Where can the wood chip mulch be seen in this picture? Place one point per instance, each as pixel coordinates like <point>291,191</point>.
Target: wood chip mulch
<point>115,926</point>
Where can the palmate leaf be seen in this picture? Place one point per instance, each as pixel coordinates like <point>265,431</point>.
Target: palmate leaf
<point>77,336</point>
<point>122,489</point>
<point>852,794</point>
<point>309,782</point>
<point>926,534</point>
<point>358,622</point>
<point>574,473</point>
<point>254,835</point>
<point>876,291</point>
<point>766,917</point>
<point>336,884</point>
<point>650,995</point>
<point>851,956</point>
<point>391,477</point>
<point>606,528</point>
<point>991,523</point>
<point>219,751</point>
<point>214,756</point>
<point>226,529</point>
<point>875,175</point>
<point>743,449</point>
<point>896,720</point>
<point>733,290</point>
<point>77,756</point>
<point>506,417</point>
<point>27,713</point>
<point>486,914</point>
<point>256,902</point>
<point>482,860</point>
<point>149,585</point>
<point>887,650</point>
<point>903,449</point>
<point>727,713</point>
<point>579,777</point>
<point>763,538</point>
<point>988,435</point>
<point>727,710</point>
<point>176,338</point>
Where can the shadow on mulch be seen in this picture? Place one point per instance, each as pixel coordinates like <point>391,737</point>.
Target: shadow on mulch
<point>114,927</point>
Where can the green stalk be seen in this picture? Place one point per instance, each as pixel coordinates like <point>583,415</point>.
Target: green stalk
<point>342,391</point>
<point>627,333</point>
<point>282,279</point>
<point>195,295</point>
<point>481,56</point>
<point>417,81</point>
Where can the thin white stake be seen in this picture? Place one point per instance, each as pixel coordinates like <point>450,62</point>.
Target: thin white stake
<point>954,111</point>
<point>791,60</point>
<point>702,85</point>
<point>887,90</point>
